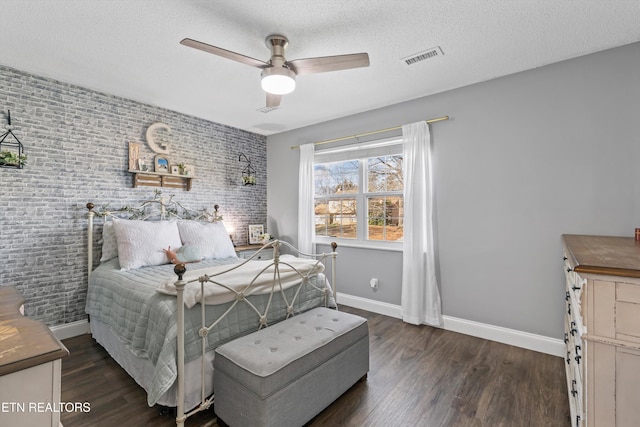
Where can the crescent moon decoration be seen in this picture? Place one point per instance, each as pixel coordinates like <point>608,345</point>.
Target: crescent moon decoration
<point>161,147</point>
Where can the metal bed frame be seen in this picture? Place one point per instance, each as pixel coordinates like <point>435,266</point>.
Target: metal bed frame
<point>172,209</point>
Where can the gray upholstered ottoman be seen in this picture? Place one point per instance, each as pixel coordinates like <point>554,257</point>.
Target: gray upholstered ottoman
<point>285,374</point>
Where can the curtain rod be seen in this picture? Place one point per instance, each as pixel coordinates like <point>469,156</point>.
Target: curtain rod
<point>438,119</point>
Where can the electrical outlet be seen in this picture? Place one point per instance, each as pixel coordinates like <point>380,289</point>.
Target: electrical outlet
<point>374,283</point>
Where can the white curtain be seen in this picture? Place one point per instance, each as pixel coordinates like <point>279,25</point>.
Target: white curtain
<point>306,230</point>
<point>420,298</point>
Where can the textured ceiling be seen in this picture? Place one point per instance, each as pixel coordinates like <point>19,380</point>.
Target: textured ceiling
<point>131,48</point>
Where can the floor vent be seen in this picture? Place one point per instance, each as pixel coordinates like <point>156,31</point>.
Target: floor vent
<point>422,56</point>
<point>266,109</point>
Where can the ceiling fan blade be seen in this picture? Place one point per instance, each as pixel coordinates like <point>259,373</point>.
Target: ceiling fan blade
<point>225,53</point>
<point>273,101</point>
<point>329,63</point>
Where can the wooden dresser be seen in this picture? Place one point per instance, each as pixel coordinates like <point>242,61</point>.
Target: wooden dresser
<point>602,329</point>
<point>30,367</point>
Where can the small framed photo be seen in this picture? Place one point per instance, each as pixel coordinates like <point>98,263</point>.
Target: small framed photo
<point>175,170</point>
<point>161,164</point>
<point>255,234</point>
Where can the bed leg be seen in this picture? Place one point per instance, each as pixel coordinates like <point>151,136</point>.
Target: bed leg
<point>180,269</point>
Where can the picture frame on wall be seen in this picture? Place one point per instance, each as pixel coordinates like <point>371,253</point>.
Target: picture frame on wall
<point>255,234</point>
<point>161,164</point>
<point>175,170</point>
<point>134,155</point>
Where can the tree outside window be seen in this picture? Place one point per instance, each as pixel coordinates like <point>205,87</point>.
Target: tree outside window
<point>344,208</point>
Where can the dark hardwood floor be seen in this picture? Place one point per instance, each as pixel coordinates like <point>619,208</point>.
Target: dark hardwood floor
<point>419,376</point>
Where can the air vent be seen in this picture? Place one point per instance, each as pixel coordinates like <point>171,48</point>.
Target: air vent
<point>422,56</point>
<point>266,109</point>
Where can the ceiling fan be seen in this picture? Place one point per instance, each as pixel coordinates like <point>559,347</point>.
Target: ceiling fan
<point>279,75</point>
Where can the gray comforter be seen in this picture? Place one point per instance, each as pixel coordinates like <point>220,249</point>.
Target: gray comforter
<point>145,320</point>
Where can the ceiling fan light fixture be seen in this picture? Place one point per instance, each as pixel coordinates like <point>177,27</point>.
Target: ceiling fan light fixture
<point>278,80</point>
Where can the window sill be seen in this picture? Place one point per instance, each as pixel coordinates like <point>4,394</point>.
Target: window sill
<point>378,246</point>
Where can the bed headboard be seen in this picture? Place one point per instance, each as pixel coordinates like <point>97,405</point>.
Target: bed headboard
<point>159,208</point>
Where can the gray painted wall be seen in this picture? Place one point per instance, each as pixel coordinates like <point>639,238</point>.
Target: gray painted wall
<point>524,159</point>
<point>77,140</point>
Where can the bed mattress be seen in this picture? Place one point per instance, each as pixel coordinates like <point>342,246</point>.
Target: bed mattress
<point>142,321</point>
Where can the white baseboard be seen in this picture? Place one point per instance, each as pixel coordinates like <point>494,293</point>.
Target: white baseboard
<point>373,306</point>
<point>70,330</point>
<point>542,344</point>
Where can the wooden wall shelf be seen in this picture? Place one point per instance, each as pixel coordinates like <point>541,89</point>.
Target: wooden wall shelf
<point>155,179</point>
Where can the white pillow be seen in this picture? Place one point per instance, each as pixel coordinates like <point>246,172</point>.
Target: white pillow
<point>141,243</point>
<point>109,242</point>
<point>210,237</point>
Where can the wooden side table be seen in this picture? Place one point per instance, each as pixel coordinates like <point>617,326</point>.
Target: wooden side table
<point>30,367</point>
<point>247,251</point>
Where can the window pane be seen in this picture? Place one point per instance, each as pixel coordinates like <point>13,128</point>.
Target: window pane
<point>384,174</point>
<point>321,217</point>
<point>336,178</point>
<point>348,226</point>
<point>336,217</point>
<point>384,218</point>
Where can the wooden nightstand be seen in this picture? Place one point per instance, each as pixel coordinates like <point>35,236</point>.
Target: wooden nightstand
<point>30,367</point>
<point>248,250</point>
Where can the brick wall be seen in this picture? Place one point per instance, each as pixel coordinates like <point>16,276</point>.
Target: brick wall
<point>77,141</point>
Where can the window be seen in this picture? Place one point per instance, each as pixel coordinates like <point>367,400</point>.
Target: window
<point>358,192</point>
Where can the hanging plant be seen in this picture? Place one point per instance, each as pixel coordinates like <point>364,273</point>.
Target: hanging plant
<point>10,158</point>
<point>248,180</point>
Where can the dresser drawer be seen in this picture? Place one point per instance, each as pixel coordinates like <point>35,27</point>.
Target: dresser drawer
<point>626,383</point>
<point>265,254</point>
<point>628,312</point>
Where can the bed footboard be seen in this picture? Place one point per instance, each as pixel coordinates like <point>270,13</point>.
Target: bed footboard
<point>278,269</point>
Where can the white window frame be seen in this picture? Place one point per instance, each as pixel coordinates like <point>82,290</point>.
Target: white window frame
<point>389,146</point>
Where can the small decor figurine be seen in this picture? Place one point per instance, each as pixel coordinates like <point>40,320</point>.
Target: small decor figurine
<point>184,255</point>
